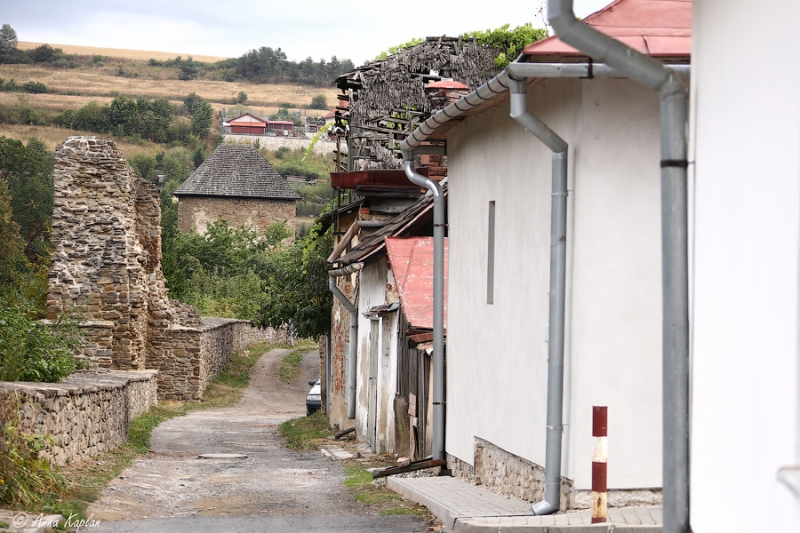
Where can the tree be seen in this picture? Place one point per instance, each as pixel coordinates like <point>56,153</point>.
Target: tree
<point>202,118</point>
<point>8,39</point>
<point>241,98</point>
<point>319,102</point>
<point>509,42</point>
<point>188,69</point>
<point>11,244</point>
<point>144,165</point>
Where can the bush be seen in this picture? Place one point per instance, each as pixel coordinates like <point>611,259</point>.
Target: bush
<point>319,102</point>
<point>35,87</point>
<point>31,350</point>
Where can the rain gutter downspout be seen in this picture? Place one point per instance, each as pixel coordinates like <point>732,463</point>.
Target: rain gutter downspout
<point>352,351</point>
<point>674,243</point>
<point>438,299</point>
<point>558,269</point>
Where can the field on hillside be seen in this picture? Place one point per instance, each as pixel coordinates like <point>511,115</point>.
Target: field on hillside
<point>99,82</point>
<point>52,136</point>
<point>142,55</point>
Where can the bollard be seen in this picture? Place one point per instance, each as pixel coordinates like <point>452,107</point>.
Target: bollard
<point>599,465</point>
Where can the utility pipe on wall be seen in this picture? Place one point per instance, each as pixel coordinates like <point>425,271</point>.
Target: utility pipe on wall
<point>674,243</point>
<point>438,299</point>
<point>558,269</point>
<point>352,349</point>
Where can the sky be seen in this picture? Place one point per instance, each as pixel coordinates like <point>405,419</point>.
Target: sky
<point>348,29</point>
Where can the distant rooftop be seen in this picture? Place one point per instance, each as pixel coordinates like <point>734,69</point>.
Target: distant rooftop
<point>237,170</point>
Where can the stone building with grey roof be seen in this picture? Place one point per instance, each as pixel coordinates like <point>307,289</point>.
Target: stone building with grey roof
<point>237,184</point>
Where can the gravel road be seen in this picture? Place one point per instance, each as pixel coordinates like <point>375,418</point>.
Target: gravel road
<point>170,489</point>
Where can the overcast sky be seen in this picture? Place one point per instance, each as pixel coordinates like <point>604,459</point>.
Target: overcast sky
<point>353,29</point>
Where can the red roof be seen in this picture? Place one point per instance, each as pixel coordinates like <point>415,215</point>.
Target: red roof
<point>247,120</point>
<point>412,264</point>
<point>280,122</point>
<point>446,84</point>
<point>661,28</point>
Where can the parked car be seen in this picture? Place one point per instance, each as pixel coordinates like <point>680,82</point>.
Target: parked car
<point>313,400</point>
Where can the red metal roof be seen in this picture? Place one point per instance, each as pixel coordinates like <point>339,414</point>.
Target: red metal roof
<point>446,84</point>
<point>660,28</point>
<point>412,265</point>
<point>280,122</point>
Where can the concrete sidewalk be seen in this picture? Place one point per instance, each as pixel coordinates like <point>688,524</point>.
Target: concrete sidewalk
<point>465,508</point>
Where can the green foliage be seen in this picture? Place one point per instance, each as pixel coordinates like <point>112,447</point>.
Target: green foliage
<point>35,87</point>
<point>394,49</point>
<point>31,350</point>
<point>12,260</point>
<point>319,102</point>
<point>28,174</point>
<point>296,289</point>
<point>241,98</point>
<point>25,478</point>
<point>144,165</point>
<point>271,65</point>
<point>509,42</point>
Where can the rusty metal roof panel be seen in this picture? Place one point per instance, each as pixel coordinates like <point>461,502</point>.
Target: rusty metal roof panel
<point>351,180</point>
<point>411,260</point>
<point>661,28</point>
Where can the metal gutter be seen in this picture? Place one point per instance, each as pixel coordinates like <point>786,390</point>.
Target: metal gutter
<point>674,243</point>
<point>438,299</point>
<point>558,290</point>
<point>352,354</point>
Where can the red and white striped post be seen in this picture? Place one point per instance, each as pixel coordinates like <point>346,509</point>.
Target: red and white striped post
<point>600,465</point>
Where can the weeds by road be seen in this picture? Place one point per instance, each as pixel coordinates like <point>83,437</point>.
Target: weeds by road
<point>290,364</point>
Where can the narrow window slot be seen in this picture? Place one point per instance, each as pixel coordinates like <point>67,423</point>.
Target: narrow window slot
<point>490,258</point>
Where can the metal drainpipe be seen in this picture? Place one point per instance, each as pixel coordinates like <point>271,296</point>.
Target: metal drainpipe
<point>438,299</point>
<point>674,243</point>
<point>558,269</point>
<point>352,349</point>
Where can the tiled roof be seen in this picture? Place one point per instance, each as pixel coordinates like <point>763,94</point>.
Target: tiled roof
<point>237,170</point>
<point>412,265</point>
<point>660,28</point>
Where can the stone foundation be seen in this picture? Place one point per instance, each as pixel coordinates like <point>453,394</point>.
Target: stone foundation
<point>510,475</point>
<point>87,413</point>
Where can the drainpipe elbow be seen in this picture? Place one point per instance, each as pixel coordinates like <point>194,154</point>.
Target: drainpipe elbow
<point>561,16</point>
<point>544,507</point>
<point>417,178</point>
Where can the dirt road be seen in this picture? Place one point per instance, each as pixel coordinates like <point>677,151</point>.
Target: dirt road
<point>273,489</point>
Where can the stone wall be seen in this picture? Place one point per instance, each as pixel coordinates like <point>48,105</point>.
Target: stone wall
<point>322,147</point>
<point>188,358</point>
<point>106,269</point>
<point>87,413</point>
<point>194,212</point>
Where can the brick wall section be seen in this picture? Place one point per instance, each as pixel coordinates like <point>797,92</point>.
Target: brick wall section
<point>87,413</point>
<point>195,211</point>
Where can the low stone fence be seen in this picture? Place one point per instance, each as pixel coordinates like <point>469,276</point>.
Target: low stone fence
<point>322,147</point>
<point>189,358</point>
<point>87,413</point>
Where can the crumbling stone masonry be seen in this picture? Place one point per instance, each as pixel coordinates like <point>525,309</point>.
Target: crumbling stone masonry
<point>106,268</point>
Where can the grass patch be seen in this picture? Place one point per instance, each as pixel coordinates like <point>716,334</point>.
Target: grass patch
<point>290,364</point>
<point>86,480</point>
<point>359,481</point>
<point>305,432</point>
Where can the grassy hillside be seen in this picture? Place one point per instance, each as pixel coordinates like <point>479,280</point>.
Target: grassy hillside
<point>142,55</point>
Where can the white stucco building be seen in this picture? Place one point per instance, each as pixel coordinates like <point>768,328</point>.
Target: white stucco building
<point>745,146</point>
<point>497,345</point>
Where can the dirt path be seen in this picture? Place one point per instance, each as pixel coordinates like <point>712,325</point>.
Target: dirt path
<point>273,482</point>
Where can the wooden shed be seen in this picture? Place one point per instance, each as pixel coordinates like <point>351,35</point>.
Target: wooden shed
<point>248,124</point>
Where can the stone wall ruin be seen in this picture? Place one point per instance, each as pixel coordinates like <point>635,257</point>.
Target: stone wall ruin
<point>106,269</point>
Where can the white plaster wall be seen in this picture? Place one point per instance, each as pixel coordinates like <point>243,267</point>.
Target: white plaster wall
<point>372,292</point>
<point>497,357</point>
<point>746,149</point>
<point>615,325</point>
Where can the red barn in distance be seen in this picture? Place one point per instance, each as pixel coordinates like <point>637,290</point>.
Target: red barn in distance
<point>253,125</point>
